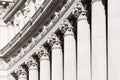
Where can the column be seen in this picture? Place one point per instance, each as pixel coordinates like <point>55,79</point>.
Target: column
<point>69,53</point>
<point>44,65</point>
<point>99,71</point>
<point>83,47</point>
<point>33,69</point>
<point>57,59</point>
<point>21,73</point>
<point>113,40</point>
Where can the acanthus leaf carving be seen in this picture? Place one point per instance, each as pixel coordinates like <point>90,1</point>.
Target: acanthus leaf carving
<point>65,25</point>
<point>52,39</point>
<point>31,63</point>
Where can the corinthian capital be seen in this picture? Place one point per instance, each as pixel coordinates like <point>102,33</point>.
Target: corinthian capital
<point>78,9</point>
<point>41,51</point>
<point>31,63</point>
<point>82,15</point>
<point>44,56</point>
<point>65,25</point>
<point>96,1</point>
<point>20,72</point>
<point>52,39</point>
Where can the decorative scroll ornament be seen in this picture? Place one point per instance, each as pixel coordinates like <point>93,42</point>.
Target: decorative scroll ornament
<point>31,63</point>
<point>77,9</point>
<point>20,72</point>
<point>52,39</point>
<point>65,25</point>
<point>41,51</point>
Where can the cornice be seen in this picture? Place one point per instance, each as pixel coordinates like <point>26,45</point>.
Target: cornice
<point>13,10</point>
<point>29,28</point>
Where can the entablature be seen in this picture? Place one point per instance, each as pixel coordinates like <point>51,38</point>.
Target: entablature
<point>47,20</point>
<point>37,20</point>
<point>65,11</point>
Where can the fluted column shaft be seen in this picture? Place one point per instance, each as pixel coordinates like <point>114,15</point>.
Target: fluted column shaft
<point>113,40</point>
<point>98,41</point>
<point>69,55</point>
<point>33,69</point>
<point>44,67</point>
<point>57,62</point>
<point>33,72</point>
<point>83,48</point>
